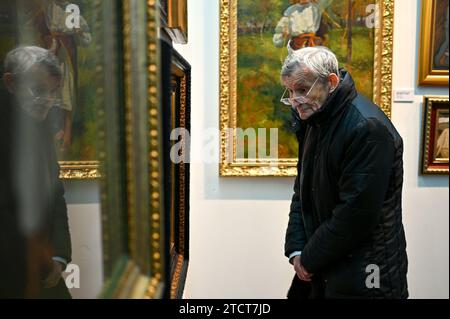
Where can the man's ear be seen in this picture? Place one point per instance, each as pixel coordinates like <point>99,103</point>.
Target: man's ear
<point>9,82</point>
<point>334,82</point>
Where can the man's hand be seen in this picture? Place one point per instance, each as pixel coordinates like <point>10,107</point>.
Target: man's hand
<point>54,276</point>
<point>300,270</point>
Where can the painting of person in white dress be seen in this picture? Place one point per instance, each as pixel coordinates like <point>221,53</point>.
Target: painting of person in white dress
<point>442,143</point>
<point>300,25</point>
<point>63,42</point>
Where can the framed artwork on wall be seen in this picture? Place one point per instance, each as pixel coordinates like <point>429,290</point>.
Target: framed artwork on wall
<point>176,88</point>
<point>253,39</point>
<point>130,153</point>
<point>434,43</point>
<point>174,19</point>
<point>177,20</point>
<point>435,140</point>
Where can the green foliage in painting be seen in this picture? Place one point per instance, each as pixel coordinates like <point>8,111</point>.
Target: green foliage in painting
<point>84,131</point>
<point>259,88</point>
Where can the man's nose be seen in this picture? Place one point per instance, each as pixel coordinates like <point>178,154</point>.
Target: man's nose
<point>299,100</point>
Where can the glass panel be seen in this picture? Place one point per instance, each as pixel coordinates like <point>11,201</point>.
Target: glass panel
<point>61,103</point>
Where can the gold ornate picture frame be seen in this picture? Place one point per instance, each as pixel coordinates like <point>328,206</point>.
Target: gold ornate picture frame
<point>177,20</point>
<point>174,19</point>
<point>176,113</point>
<point>131,157</point>
<point>435,135</point>
<point>70,170</point>
<point>434,45</point>
<point>232,30</point>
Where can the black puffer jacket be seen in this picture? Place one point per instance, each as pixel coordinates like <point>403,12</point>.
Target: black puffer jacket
<point>346,212</point>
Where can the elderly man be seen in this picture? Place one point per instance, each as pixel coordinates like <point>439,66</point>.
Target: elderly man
<point>345,236</point>
<point>35,243</point>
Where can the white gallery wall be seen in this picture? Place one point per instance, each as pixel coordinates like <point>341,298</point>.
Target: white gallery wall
<point>238,224</point>
<point>83,200</point>
<point>425,198</point>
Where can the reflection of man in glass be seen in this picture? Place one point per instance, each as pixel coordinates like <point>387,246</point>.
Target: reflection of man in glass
<point>35,244</point>
<point>300,24</point>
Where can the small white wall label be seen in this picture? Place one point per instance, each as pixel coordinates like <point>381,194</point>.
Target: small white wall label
<point>404,95</point>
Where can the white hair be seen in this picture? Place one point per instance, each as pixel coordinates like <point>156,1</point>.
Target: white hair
<point>318,60</point>
<point>20,60</point>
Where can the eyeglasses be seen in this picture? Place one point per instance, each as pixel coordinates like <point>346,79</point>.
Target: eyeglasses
<point>299,99</point>
<point>44,98</point>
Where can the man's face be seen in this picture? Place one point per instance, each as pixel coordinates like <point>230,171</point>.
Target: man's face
<point>313,90</point>
<point>37,92</point>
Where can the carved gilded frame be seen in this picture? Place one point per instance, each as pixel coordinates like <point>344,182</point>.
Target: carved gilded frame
<point>79,170</point>
<point>177,20</point>
<point>429,76</point>
<point>139,273</point>
<point>179,251</point>
<point>430,164</point>
<point>175,88</point>
<point>382,89</point>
